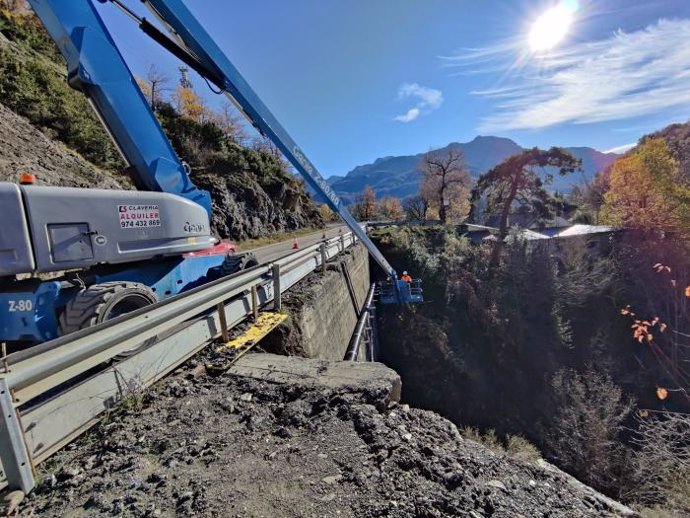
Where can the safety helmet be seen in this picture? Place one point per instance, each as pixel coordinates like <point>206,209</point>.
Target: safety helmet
<point>405,273</point>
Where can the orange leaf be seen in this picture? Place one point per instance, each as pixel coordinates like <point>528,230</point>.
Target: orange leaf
<point>661,393</point>
<point>650,337</point>
<point>662,327</point>
<point>687,291</point>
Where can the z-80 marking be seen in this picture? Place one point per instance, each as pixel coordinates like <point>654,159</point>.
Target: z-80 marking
<point>20,305</point>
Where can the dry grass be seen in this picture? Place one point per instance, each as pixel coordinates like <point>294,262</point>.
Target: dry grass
<point>515,446</point>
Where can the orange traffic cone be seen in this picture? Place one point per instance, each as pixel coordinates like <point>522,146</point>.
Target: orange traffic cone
<point>295,245</point>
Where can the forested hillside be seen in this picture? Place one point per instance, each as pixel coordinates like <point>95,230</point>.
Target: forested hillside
<point>579,344</point>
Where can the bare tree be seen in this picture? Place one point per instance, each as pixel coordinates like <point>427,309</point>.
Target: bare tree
<point>662,460</point>
<point>227,119</point>
<point>584,433</point>
<point>157,82</point>
<point>445,181</point>
<point>416,207</point>
<point>265,145</point>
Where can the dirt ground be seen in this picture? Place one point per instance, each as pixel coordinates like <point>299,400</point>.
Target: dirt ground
<point>227,446</point>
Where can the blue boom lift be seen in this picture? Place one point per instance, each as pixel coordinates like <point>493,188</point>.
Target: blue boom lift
<point>123,250</point>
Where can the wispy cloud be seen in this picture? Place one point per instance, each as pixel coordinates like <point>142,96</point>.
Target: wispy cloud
<point>626,75</point>
<point>428,99</point>
<point>621,149</point>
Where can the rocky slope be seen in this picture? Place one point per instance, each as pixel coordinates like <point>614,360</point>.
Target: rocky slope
<point>235,446</point>
<point>253,201</point>
<point>23,148</point>
<point>247,202</point>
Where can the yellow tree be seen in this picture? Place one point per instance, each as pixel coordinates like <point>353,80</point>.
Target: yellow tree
<point>327,214</point>
<point>189,104</point>
<point>646,191</point>
<point>391,208</point>
<point>366,207</point>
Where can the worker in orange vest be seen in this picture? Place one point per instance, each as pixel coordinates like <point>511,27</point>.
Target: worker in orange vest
<point>406,277</point>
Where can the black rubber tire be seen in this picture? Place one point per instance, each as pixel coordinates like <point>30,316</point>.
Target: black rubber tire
<point>234,263</point>
<point>101,302</point>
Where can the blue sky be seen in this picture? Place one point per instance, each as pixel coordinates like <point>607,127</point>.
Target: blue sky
<point>360,79</point>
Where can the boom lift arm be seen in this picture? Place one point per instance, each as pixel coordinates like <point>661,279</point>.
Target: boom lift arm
<point>96,67</point>
<point>199,51</point>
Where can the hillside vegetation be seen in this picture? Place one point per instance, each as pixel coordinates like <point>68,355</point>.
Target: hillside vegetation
<point>580,344</point>
<point>252,189</point>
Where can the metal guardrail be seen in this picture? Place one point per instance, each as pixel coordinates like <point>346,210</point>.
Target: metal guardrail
<point>40,416</point>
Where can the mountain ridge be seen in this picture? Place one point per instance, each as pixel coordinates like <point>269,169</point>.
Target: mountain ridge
<point>399,175</point>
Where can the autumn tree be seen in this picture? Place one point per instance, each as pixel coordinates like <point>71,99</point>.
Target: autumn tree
<point>520,180</point>
<point>189,104</point>
<point>647,192</point>
<point>327,214</point>
<point>391,208</point>
<point>446,183</point>
<point>365,207</point>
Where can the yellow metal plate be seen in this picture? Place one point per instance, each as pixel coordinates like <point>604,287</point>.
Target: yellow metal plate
<point>266,323</point>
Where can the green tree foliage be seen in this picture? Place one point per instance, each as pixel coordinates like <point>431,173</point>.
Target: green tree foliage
<point>521,179</point>
<point>535,347</point>
<point>33,87</point>
<point>252,189</point>
<point>18,24</point>
<point>677,138</point>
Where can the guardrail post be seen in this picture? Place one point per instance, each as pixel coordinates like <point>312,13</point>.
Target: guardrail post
<point>223,322</point>
<point>255,303</point>
<point>323,257</point>
<point>15,459</point>
<point>277,304</point>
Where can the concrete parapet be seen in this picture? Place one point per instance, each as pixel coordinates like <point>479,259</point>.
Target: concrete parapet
<point>377,382</point>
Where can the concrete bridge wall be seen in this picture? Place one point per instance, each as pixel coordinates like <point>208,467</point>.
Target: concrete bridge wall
<point>322,314</point>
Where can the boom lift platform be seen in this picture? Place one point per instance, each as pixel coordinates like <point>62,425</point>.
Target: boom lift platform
<point>128,249</point>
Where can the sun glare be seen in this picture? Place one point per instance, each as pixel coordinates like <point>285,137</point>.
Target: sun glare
<point>552,26</point>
